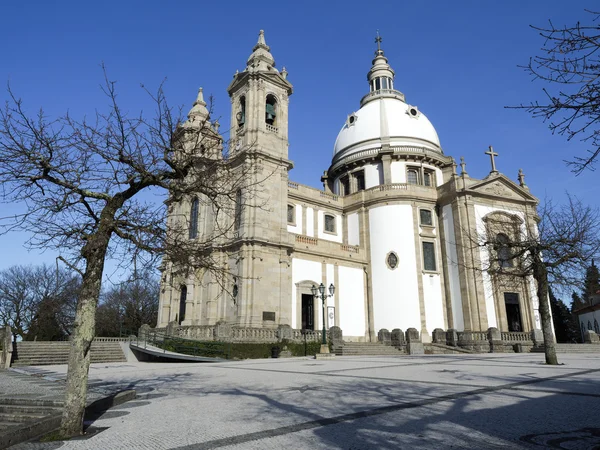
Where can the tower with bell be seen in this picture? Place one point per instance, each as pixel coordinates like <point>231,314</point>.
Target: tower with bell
<point>259,140</point>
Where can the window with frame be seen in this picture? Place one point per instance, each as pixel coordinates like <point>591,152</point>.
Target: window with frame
<point>291,214</point>
<point>505,257</point>
<point>412,176</point>
<point>345,185</point>
<point>360,180</point>
<point>429,262</point>
<point>426,217</point>
<point>428,178</point>
<point>194,218</point>
<point>329,223</point>
<point>238,210</point>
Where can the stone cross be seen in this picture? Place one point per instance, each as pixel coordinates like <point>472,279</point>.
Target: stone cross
<point>463,166</point>
<point>492,153</point>
<point>521,178</point>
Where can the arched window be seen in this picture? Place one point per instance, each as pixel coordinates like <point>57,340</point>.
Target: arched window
<point>194,218</point>
<point>182,301</point>
<point>271,110</point>
<point>589,325</point>
<point>505,257</point>
<point>238,210</point>
<point>596,327</point>
<point>241,114</point>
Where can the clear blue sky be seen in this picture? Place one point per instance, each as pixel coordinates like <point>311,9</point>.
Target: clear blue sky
<point>457,61</point>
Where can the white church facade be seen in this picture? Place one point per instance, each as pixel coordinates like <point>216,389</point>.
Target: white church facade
<point>395,228</point>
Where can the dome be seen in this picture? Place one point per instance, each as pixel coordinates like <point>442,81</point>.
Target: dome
<point>385,119</point>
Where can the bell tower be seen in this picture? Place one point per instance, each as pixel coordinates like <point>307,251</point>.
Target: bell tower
<point>259,141</point>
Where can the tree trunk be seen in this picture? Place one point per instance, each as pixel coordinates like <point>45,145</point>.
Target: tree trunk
<point>540,274</point>
<point>83,334</point>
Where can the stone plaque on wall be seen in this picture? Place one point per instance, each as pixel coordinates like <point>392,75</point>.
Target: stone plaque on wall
<point>269,315</point>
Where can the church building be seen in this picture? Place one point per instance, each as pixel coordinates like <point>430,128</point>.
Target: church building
<point>396,228</point>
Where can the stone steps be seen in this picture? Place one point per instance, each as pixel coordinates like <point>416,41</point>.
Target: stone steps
<point>42,353</point>
<point>366,349</point>
<point>573,348</point>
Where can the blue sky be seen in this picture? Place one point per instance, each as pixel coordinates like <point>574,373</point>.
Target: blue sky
<point>457,61</point>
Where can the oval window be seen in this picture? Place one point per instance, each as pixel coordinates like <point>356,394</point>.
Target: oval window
<point>392,260</point>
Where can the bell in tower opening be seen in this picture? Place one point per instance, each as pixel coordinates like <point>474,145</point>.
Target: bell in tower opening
<point>241,114</point>
<point>271,110</point>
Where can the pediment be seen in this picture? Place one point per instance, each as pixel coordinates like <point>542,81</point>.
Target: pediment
<point>501,188</point>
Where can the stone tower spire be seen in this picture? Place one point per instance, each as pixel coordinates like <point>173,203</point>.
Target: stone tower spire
<point>198,111</point>
<point>261,58</point>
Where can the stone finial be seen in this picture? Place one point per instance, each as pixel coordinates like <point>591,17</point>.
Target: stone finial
<point>216,125</point>
<point>261,38</point>
<point>284,73</point>
<point>521,178</point>
<point>463,166</point>
<point>454,166</point>
<point>199,107</point>
<point>261,58</point>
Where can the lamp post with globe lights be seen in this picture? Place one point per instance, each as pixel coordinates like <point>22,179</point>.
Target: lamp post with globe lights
<point>320,293</point>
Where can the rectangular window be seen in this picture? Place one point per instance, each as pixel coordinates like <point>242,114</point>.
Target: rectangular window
<point>429,256</point>
<point>291,214</point>
<point>360,180</point>
<point>345,185</point>
<point>412,176</point>
<point>329,223</point>
<point>238,211</point>
<point>426,217</point>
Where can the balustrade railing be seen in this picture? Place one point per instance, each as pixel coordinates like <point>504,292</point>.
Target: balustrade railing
<point>306,240</point>
<point>349,248</point>
<point>271,128</point>
<point>516,336</point>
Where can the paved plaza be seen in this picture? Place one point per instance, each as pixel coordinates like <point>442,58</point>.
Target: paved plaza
<point>428,402</point>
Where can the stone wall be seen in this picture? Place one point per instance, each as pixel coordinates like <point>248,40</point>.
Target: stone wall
<point>5,347</point>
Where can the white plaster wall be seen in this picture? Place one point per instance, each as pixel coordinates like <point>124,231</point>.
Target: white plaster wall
<point>395,292</point>
<point>373,175</point>
<point>297,228</point>
<point>398,170</point>
<point>310,222</point>
<point>351,312</point>
<point>353,229</point>
<point>453,271</point>
<point>303,270</point>
<point>480,212</point>
<point>584,318</point>
<point>434,307</point>
<point>337,237</point>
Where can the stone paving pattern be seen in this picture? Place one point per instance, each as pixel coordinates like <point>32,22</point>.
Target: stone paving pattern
<point>433,401</point>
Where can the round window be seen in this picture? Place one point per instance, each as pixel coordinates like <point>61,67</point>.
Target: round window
<point>413,112</point>
<point>351,119</point>
<point>392,260</point>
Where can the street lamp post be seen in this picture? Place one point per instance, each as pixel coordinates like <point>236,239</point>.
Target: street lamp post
<point>320,293</point>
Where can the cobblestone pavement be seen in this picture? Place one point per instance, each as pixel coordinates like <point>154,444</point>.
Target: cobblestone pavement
<point>446,401</point>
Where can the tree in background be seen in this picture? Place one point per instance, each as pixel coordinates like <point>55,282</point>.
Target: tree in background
<point>565,323</point>
<point>38,302</point>
<point>125,307</point>
<point>576,302</point>
<point>569,64</point>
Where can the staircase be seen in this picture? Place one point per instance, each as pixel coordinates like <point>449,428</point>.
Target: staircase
<point>366,349</point>
<point>41,353</point>
<point>18,414</point>
<point>573,348</point>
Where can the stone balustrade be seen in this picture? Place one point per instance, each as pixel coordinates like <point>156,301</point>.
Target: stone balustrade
<point>306,240</point>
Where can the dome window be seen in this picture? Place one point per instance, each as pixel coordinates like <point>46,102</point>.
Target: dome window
<point>352,118</point>
<point>413,111</point>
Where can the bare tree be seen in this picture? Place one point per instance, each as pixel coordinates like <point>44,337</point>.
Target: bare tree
<point>125,307</point>
<point>33,298</point>
<point>82,181</point>
<point>569,63</point>
<point>554,251</point>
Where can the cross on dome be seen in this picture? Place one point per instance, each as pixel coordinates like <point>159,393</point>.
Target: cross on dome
<point>378,40</point>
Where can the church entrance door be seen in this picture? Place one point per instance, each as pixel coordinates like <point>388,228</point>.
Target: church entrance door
<point>513,311</point>
<point>182,300</point>
<point>308,302</point>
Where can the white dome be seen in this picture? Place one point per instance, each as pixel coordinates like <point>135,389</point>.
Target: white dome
<point>389,119</point>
